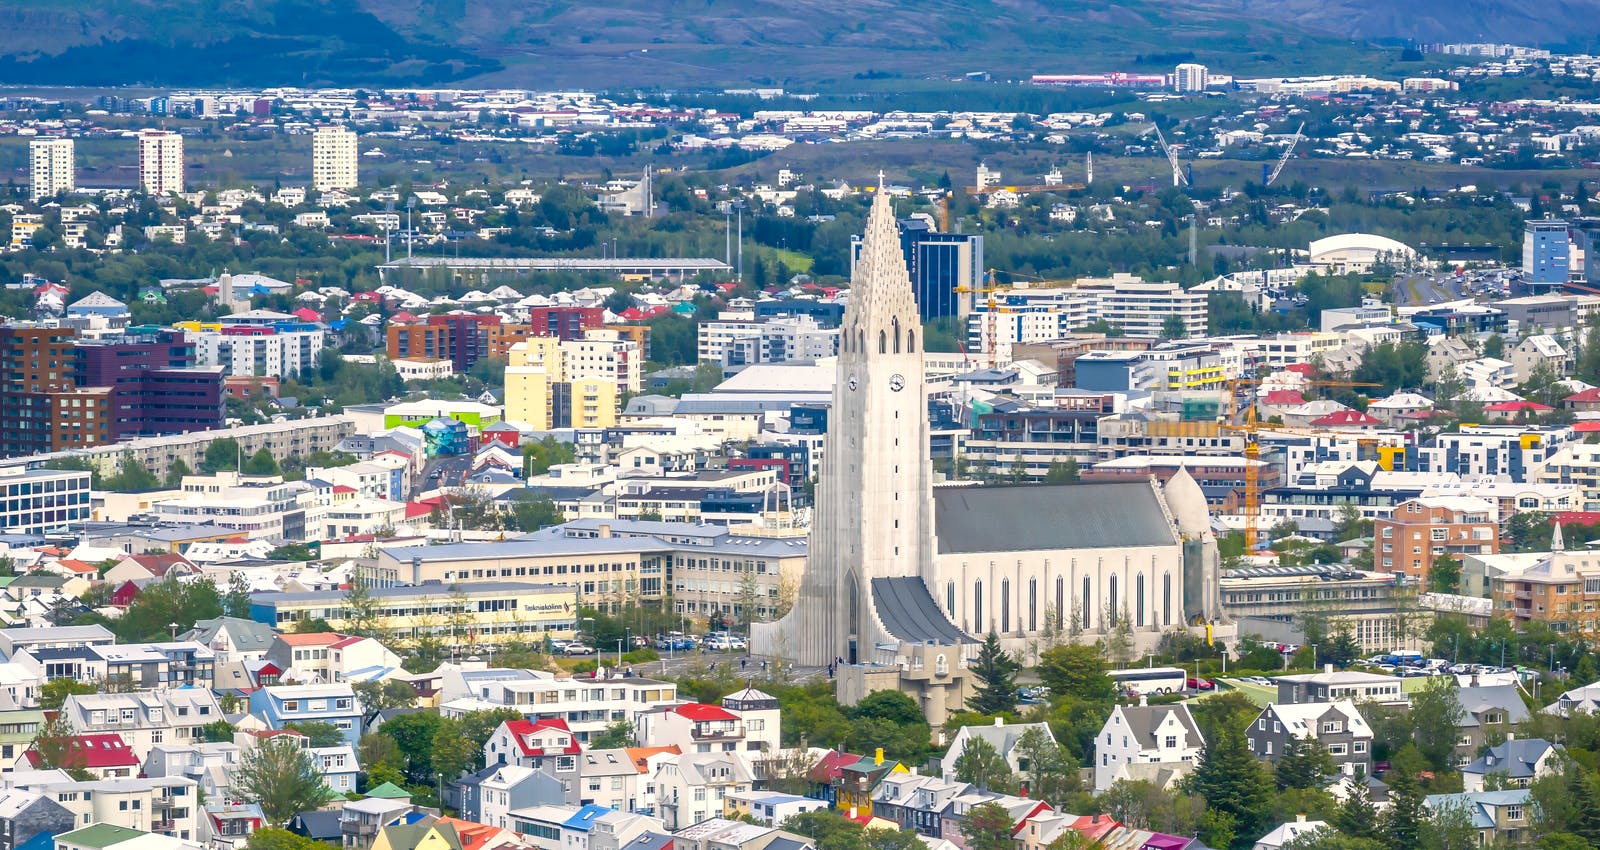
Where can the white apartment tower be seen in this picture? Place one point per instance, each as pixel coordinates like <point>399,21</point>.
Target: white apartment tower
<point>161,162</point>
<point>333,159</point>
<point>1191,77</point>
<point>50,171</point>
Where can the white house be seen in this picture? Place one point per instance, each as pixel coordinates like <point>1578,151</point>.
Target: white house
<point>1001,736</point>
<point>1157,743</point>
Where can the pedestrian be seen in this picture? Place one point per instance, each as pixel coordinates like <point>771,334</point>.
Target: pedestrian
<point>830,671</point>
<point>713,666</point>
<point>763,666</point>
<point>741,663</point>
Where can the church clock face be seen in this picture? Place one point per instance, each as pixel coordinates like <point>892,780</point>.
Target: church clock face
<point>897,382</point>
<point>852,383</point>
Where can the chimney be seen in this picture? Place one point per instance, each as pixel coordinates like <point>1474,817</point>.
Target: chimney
<point>1300,818</point>
<point>877,758</point>
<point>999,721</point>
<point>1511,736</point>
<point>852,812</point>
<point>604,531</point>
<point>1327,668</point>
<point>1144,699</point>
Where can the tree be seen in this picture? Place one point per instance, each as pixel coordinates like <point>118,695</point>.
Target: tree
<point>1076,670</point>
<point>362,617</point>
<point>131,477</point>
<point>982,765</point>
<point>453,754</point>
<point>220,455</point>
<point>1062,472</point>
<point>282,778</point>
<point>55,692</point>
<point>414,734</point>
<point>261,463</point>
<point>237,601</point>
<point>1232,781</point>
<point>386,695</point>
<point>618,734</point>
<point>376,748</point>
<point>1449,828</point>
<point>1402,823</point>
<point>1356,816</point>
<point>175,473</point>
<point>1050,774</point>
<point>319,733</point>
<point>996,672</point>
<point>1435,719</point>
<point>1444,576</point>
<point>273,838</point>
<point>1305,763</point>
<point>1173,327</point>
<point>218,732</point>
<point>59,748</point>
<point>987,826</point>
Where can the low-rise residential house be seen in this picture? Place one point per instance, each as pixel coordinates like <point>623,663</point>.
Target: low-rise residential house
<point>1539,350</point>
<point>697,728</point>
<point>769,808</point>
<point>1002,736</point>
<point>1018,809</point>
<point>338,765</point>
<point>25,814</point>
<point>228,822</point>
<point>859,779</point>
<point>1332,685</point>
<point>694,786</point>
<point>914,801</point>
<point>362,819</point>
<point>1515,763</point>
<point>1338,726</point>
<point>167,806</point>
<point>103,756</point>
<point>329,658</point>
<point>128,666</point>
<point>1154,743</point>
<point>508,787</point>
<point>232,638</point>
<point>145,719</point>
<point>587,706</point>
<point>335,704</point>
<point>1489,714</point>
<point>209,764</point>
<point>1285,833</point>
<point>106,836</point>
<point>1501,818</point>
<point>620,778</point>
<point>528,743</point>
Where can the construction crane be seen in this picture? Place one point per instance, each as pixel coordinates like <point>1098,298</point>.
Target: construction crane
<point>988,288</point>
<point>1284,160</point>
<point>1178,177</point>
<point>1251,430</point>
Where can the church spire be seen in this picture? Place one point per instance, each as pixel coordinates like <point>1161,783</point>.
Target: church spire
<point>882,309</point>
<point>1557,543</point>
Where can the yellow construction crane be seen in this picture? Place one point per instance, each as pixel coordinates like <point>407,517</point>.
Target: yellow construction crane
<point>1252,447</point>
<point>992,304</point>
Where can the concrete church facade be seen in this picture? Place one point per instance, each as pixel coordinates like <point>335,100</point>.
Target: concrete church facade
<point>903,578</point>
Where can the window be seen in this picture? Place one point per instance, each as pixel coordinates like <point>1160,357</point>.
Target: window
<point>1336,749</point>
<point>1172,741</point>
<point>1513,813</point>
<point>1360,747</point>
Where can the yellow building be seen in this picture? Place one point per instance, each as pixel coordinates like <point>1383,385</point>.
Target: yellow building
<point>471,611</point>
<point>544,393</point>
<point>857,782</point>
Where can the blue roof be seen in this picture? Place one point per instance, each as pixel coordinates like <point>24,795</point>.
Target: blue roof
<point>584,820</point>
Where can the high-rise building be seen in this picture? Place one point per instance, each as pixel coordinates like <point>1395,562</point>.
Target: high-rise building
<point>333,159</point>
<point>1191,77</point>
<point>1546,253</point>
<point>155,386</point>
<point>160,162</point>
<point>946,268</point>
<point>41,408</point>
<point>50,171</point>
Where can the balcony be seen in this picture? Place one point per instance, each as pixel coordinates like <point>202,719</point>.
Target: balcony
<point>721,732</point>
<point>163,825</point>
<point>351,827</point>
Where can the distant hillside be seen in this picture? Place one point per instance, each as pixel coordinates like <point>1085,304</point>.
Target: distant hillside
<point>713,42</point>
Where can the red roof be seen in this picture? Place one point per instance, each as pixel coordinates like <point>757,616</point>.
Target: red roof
<point>699,712</point>
<point>92,751</point>
<point>341,489</point>
<point>1346,418</point>
<point>1302,368</point>
<point>832,766</point>
<point>307,314</point>
<point>403,316</point>
<point>1588,426</point>
<point>1575,517</point>
<point>416,509</point>
<point>1516,407</point>
<point>1591,395</point>
<point>1282,397</point>
<point>520,729</point>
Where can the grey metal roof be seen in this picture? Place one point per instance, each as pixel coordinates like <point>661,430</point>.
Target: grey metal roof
<point>909,613</point>
<point>1143,720</point>
<point>1041,517</point>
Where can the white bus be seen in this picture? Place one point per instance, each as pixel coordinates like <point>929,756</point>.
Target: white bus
<point>1148,681</point>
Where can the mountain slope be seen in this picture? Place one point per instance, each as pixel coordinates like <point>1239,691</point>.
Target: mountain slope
<point>710,42</point>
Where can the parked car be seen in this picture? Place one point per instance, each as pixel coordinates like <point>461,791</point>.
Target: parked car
<point>1200,684</point>
<point>577,649</point>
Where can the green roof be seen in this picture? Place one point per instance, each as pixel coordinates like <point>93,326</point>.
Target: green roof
<point>389,791</point>
<point>99,835</point>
